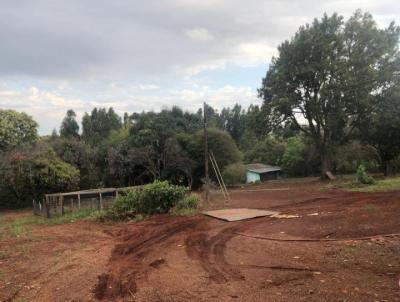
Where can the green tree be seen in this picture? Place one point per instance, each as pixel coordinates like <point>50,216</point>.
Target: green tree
<point>98,125</point>
<point>382,128</point>
<point>294,157</point>
<point>69,126</point>
<point>81,156</point>
<point>29,173</point>
<point>234,174</point>
<point>16,128</point>
<point>328,77</point>
<point>269,151</point>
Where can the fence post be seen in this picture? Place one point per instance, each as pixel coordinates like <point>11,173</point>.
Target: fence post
<point>100,201</point>
<point>79,201</point>
<point>62,205</point>
<point>47,207</point>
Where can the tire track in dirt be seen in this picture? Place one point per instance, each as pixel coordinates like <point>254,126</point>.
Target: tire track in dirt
<point>209,251</point>
<point>126,264</point>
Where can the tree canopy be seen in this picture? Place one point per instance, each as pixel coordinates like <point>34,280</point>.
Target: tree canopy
<point>16,128</point>
<point>329,76</point>
<point>69,126</point>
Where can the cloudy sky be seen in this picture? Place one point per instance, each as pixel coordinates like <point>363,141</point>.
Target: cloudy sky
<point>139,55</point>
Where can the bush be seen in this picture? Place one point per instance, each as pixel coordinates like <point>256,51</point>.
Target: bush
<point>234,174</point>
<point>159,197</point>
<point>363,177</point>
<point>188,202</point>
<point>155,198</point>
<point>126,205</point>
<point>187,206</point>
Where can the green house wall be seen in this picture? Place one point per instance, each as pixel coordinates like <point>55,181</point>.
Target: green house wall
<point>252,177</point>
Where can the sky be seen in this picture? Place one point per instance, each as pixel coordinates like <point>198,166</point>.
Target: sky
<point>136,55</point>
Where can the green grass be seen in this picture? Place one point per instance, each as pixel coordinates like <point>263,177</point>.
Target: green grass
<point>379,185</point>
<point>184,212</point>
<point>4,255</point>
<point>19,227</point>
<point>370,208</point>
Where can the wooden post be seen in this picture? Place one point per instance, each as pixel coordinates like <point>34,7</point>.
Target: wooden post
<point>206,152</point>
<point>79,201</point>
<point>100,202</point>
<point>62,204</point>
<point>216,174</point>
<point>47,207</point>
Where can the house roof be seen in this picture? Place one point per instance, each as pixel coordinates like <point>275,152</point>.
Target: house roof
<point>261,168</point>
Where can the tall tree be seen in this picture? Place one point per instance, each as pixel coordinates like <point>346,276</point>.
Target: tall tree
<point>327,78</point>
<point>16,128</point>
<point>69,126</point>
<point>382,128</point>
<point>98,125</point>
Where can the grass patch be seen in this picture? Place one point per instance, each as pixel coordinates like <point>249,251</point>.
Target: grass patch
<point>379,185</point>
<point>370,208</point>
<point>19,227</point>
<point>184,212</point>
<point>4,255</point>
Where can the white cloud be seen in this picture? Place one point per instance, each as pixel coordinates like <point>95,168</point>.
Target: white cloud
<point>199,34</point>
<point>48,108</point>
<point>141,56</point>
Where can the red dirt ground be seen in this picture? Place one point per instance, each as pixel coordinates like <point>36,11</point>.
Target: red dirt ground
<point>322,255</point>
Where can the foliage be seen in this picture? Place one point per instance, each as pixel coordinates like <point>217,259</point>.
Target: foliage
<point>98,125</point>
<point>126,205</point>
<point>80,155</point>
<point>159,197</point>
<point>234,174</point>
<point>220,143</point>
<point>378,185</point>
<point>353,154</point>
<point>363,177</point>
<point>16,129</point>
<point>269,150</point>
<point>297,157</point>
<point>331,74</point>
<point>69,126</point>
<point>382,128</point>
<point>191,201</point>
<point>155,198</point>
<point>188,206</point>
<point>29,174</point>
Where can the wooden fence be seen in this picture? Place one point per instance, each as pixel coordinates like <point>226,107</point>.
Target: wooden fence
<point>61,203</point>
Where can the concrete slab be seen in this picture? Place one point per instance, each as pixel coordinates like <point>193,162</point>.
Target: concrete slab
<point>239,214</point>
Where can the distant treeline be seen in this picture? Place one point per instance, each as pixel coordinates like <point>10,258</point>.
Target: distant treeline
<point>330,102</point>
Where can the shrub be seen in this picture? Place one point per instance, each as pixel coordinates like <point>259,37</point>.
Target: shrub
<point>159,196</point>
<point>126,205</point>
<point>187,206</point>
<point>234,174</point>
<point>363,177</point>
<point>155,198</point>
<point>188,202</point>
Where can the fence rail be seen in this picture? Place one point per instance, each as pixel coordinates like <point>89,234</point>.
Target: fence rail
<point>60,203</point>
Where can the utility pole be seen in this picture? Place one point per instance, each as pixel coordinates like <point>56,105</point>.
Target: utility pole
<point>207,180</point>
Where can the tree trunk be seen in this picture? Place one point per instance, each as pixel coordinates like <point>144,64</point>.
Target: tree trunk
<point>385,168</point>
<point>326,163</point>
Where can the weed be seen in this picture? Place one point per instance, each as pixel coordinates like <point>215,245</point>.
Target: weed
<point>184,212</point>
<point>4,255</point>
<point>24,250</point>
<point>379,185</point>
<point>370,208</point>
<point>17,230</point>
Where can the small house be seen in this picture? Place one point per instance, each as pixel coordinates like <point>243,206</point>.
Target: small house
<point>261,172</point>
